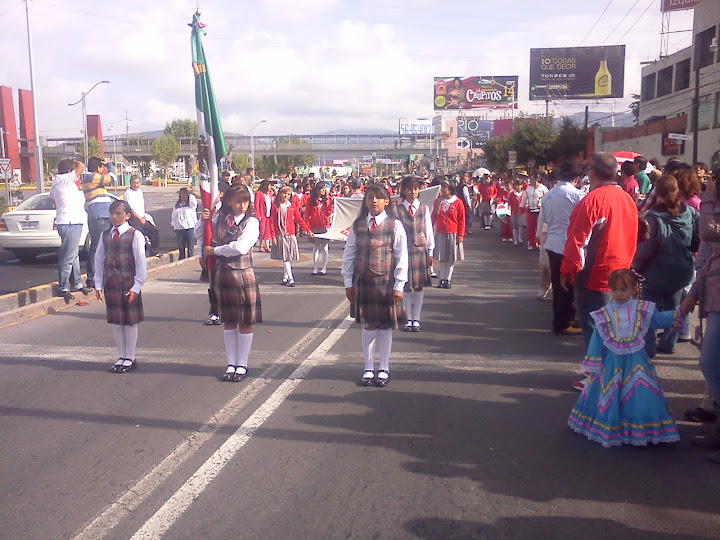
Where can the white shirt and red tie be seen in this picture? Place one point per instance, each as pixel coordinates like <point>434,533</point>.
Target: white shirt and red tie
<point>138,247</point>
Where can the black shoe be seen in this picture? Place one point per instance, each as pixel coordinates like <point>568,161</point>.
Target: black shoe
<point>700,416</point>
<point>84,290</point>
<point>240,375</point>
<point>313,273</point>
<point>663,350</point>
<point>228,375</point>
<point>125,369</point>
<point>382,381</point>
<point>117,367</point>
<point>441,285</point>
<point>368,378</point>
<point>447,284</point>
<point>291,283</point>
<point>416,326</point>
<point>67,295</point>
<point>323,273</point>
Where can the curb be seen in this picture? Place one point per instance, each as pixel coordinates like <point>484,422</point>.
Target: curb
<point>37,301</point>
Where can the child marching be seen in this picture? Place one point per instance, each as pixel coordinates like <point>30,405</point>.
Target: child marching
<point>415,218</point>
<point>449,220</point>
<point>283,217</point>
<point>622,401</point>
<point>318,210</point>
<point>235,231</point>
<point>120,271</point>
<point>374,269</point>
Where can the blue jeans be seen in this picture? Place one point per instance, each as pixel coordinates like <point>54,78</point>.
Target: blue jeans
<point>96,226</point>
<point>663,301</point>
<point>185,242</point>
<point>587,301</point>
<point>710,354</point>
<point>68,256</point>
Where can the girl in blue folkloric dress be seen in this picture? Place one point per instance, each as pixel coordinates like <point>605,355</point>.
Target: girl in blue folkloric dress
<point>622,402</point>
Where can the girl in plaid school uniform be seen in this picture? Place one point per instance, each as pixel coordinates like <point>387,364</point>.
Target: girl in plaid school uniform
<point>235,232</point>
<point>415,218</point>
<point>283,216</point>
<point>120,271</point>
<point>374,269</point>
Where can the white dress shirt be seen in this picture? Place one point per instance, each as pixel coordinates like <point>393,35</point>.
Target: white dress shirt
<point>138,247</point>
<point>532,197</point>
<point>136,200</point>
<point>245,241</point>
<point>399,249</point>
<point>185,217</point>
<point>69,200</point>
<point>557,205</point>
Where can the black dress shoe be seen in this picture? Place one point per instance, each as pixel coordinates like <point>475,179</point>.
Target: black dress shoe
<point>66,295</point>
<point>700,416</point>
<point>382,381</point>
<point>125,369</point>
<point>368,378</point>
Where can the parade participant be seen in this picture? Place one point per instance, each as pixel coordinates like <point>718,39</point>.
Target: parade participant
<point>531,202</point>
<point>465,194</point>
<point>374,269</point>
<point>135,198</point>
<point>97,205</point>
<point>517,214</point>
<point>263,203</point>
<point>415,218</point>
<point>70,217</point>
<point>488,194</point>
<point>235,231</point>
<point>558,204</point>
<point>449,220</point>
<point>183,221</point>
<point>506,229</point>
<point>623,402</point>
<point>601,237</point>
<point>627,180</point>
<point>121,270</point>
<point>356,189</point>
<point>665,259</point>
<point>317,215</point>
<point>284,214</point>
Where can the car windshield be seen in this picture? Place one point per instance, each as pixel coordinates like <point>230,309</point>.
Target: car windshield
<point>37,202</point>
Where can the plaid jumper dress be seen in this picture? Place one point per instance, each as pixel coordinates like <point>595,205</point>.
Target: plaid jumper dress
<point>118,277</point>
<point>418,270</point>
<point>373,277</point>
<point>235,285</point>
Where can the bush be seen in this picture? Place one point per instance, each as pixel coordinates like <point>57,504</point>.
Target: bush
<point>3,205</point>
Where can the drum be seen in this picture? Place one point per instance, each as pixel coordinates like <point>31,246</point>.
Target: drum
<point>502,210</point>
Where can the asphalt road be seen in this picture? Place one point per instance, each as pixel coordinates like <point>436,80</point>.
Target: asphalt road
<point>469,439</point>
<point>17,276</point>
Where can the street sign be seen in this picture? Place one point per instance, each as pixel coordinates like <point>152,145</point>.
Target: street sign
<point>463,143</point>
<point>512,158</point>
<point>680,137</point>
<point>5,169</point>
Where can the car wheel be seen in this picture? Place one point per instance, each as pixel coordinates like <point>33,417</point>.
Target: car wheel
<point>26,256</point>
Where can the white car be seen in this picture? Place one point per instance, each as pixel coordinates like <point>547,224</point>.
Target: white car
<point>30,229</point>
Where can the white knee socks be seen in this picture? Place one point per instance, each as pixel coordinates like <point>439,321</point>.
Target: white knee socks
<point>243,344</point>
<point>316,256</point>
<point>368,346</point>
<point>442,269</point>
<point>450,269</point>
<point>385,347</point>
<point>131,337</point>
<point>324,255</point>
<point>119,332</point>
<point>230,346</point>
<point>287,271</point>
<point>417,304</point>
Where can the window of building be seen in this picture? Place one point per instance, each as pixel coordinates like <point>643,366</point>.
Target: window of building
<point>703,55</point>
<point>682,75</point>
<point>705,107</point>
<point>716,121</point>
<point>664,81</point>
<point>648,87</point>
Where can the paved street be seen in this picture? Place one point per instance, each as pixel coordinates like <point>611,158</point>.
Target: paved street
<point>469,440</point>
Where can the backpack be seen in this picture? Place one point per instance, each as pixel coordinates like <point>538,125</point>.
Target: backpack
<point>677,265</point>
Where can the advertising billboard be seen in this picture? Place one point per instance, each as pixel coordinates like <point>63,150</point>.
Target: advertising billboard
<point>577,73</point>
<point>676,5</point>
<point>484,92</point>
<point>474,130</point>
<point>416,126</point>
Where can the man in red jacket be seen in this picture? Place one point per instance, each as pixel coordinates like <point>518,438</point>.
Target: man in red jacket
<point>601,237</point>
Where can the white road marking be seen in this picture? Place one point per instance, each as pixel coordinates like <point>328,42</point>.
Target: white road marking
<point>137,494</point>
<point>174,507</point>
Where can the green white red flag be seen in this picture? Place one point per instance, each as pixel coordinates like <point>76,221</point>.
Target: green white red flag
<point>211,142</point>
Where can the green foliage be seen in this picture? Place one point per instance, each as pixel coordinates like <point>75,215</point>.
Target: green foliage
<point>182,128</point>
<point>93,149</point>
<point>271,165</point>
<point>240,163</point>
<point>635,107</point>
<point>3,205</point>
<point>165,151</point>
<point>570,141</point>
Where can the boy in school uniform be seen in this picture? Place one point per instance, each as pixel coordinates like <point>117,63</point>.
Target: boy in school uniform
<point>120,272</point>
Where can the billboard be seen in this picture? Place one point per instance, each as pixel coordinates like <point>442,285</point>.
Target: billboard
<point>577,73</point>
<point>416,126</point>
<point>475,130</point>
<point>485,92</point>
<point>676,5</point>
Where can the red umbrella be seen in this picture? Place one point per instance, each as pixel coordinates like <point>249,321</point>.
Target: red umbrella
<point>625,155</point>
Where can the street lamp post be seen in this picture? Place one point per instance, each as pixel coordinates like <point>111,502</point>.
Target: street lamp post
<point>84,115</point>
<point>38,149</point>
<point>252,143</point>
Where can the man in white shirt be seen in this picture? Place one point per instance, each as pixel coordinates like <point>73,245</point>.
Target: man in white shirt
<point>135,198</point>
<point>557,205</point>
<point>70,219</point>
<point>531,201</point>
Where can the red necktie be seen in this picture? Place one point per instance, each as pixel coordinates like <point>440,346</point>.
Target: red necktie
<point>115,235</point>
<point>411,209</point>
<point>373,225</point>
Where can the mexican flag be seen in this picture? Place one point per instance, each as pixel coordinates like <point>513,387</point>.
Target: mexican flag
<point>211,143</point>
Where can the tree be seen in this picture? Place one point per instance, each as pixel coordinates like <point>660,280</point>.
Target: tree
<point>93,149</point>
<point>635,107</point>
<point>533,139</point>
<point>270,165</point>
<point>570,141</point>
<point>496,151</point>
<point>182,128</point>
<point>165,151</point>
<point>240,163</point>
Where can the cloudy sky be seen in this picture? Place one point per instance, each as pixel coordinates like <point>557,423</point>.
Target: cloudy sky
<point>304,66</point>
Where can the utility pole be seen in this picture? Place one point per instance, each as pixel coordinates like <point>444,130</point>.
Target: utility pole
<point>38,149</point>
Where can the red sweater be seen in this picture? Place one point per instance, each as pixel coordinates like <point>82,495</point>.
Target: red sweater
<point>450,221</point>
<point>601,236</point>
<point>318,216</point>
<point>293,215</point>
